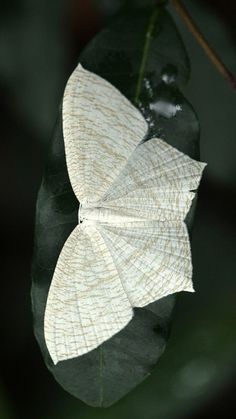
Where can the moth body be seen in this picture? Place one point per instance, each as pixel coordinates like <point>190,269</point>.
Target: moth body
<point>92,215</point>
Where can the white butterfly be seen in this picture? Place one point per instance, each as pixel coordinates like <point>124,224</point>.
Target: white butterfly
<point>131,245</point>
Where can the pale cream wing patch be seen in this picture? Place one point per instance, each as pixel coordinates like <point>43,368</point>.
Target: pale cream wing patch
<point>152,254</point>
<point>152,258</point>
<point>86,303</point>
<point>101,129</point>
<point>156,183</point>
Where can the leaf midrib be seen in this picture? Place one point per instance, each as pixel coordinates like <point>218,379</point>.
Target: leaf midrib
<point>148,37</point>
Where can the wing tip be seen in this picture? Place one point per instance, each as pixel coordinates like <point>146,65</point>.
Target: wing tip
<point>203,166</point>
<point>80,68</point>
<point>55,360</point>
<point>166,144</point>
<point>189,288</point>
<point>51,349</point>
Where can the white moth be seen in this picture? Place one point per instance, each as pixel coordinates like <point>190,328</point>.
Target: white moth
<point>131,245</point>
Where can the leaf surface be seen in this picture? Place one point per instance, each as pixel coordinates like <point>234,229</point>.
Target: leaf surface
<point>141,53</point>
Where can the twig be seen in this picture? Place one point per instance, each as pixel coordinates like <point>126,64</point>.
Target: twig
<point>215,59</point>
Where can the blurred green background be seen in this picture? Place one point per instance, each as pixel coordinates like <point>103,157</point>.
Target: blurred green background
<point>196,377</point>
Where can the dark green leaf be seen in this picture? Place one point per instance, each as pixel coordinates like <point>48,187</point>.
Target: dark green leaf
<point>141,54</point>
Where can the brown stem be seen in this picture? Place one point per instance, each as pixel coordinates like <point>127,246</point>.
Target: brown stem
<point>215,59</point>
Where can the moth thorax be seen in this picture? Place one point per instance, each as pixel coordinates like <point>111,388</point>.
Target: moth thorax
<point>92,215</point>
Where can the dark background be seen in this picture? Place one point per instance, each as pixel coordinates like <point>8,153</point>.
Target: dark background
<point>196,377</point>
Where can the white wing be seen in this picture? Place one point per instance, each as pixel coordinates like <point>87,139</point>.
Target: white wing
<point>101,130</point>
<point>86,303</point>
<point>156,183</point>
<point>153,258</point>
